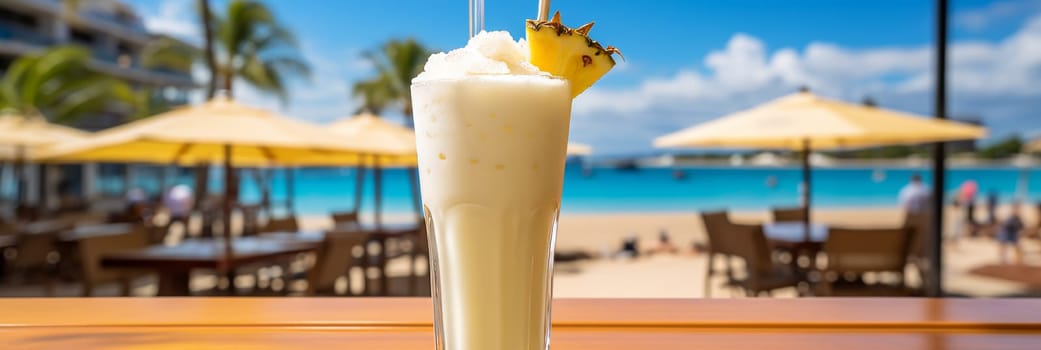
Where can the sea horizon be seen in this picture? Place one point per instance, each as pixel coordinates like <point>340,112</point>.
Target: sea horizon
<point>587,190</point>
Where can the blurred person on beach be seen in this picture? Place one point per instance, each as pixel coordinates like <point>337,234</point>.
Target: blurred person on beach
<point>914,197</point>
<point>630,248</point>
<point>664,244</point>
<point>136,205</point>
<point>967,201</point>
<point>1008,236</point>
<point>178,202</point>
<point>989,225</point>
<point>958,228</point>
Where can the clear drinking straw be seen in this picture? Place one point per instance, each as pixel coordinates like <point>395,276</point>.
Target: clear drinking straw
<point>543,10</point>
<point>476,17</point>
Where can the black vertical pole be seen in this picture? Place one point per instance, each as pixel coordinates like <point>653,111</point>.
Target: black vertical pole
<point>21,193</point>
<point>229,183</point>
<point>359,183</point>
<point>934,285</point>
<point>377,177</point>
<point>290,189</point>
<point>806,178</point>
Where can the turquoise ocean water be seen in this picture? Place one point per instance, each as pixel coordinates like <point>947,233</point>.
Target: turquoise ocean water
<point>605,190</point>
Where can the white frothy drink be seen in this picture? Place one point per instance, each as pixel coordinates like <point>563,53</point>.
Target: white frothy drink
<point>491,134</point>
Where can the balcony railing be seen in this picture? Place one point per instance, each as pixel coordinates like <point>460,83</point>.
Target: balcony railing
<point>9,32</point>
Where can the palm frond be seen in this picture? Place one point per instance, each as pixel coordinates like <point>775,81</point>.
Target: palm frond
<point>169,54</point>
<point>96,98</point>
<point>397,62</point>
<point>257,49</point>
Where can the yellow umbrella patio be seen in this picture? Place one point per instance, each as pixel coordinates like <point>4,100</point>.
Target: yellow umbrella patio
<point>22,136</point>
<point>215,131</point>
<point>806,122</point>
<point>32,132</point>
<point>218,130</point>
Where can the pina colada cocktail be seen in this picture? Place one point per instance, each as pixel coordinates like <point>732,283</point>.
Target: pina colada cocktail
<point>491,134</point>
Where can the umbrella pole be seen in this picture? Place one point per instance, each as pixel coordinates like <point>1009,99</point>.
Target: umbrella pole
<point>269,178</point>
<point>290,189</point>
<point>359,183</point>
<point>163,180</point>
<point>3,175</point>
<point>378,178</point>
<point>19,177</point>
<point>934,282</point>
<point>229,178</point>
<point>806,181</point>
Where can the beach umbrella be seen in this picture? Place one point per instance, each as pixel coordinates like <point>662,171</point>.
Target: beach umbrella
<point>219,130</point>
<point>579,149</point>
<point>806,122</point>
<point>21,136</point>
<point>390,144</point>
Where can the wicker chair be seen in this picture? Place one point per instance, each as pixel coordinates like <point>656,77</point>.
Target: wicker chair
<point>720,242</point>
<point>345,218</point>
<point>250,219</point>
<point>854,252</point>
<point>762,273</point>
<point>286,224</point>
<point>334,259</point>
<point>92,249</point>
<point>788,214</point>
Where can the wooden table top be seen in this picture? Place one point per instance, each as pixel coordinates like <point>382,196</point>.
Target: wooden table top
<point>313,237</point>
<point>204,253</point>
<point>405,323</point>
<point>42,227</point>
<point>81,232</point>
<point>794,232</point>
<point>1029,275</point>
<point>389,229</point>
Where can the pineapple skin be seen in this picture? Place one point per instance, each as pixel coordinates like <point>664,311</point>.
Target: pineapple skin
<point>568,53</point>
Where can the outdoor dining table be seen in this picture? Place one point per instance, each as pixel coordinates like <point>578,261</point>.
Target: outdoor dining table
<point>174,264</point>
<point>43,227</point>
<point>792,235</point>
<point>73,235</point>
<point>604,324</point>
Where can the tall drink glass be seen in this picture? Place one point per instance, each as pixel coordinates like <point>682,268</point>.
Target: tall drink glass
<point>491,149</point>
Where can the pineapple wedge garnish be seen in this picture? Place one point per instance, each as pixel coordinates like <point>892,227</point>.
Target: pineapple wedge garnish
<point>568,53</point>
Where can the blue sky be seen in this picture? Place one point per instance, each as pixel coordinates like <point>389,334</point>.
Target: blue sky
<point>691,60</point>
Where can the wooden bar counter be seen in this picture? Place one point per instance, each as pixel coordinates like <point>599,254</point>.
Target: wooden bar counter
<point>405,323</point>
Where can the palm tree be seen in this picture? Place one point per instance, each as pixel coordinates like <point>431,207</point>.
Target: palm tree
<point>164,53</point>
<point>211,61</point>
<point>58,84</point>
<point>254,47</point>
<point>397,63</point>
<point>169,54</point>
<point>374,94</point>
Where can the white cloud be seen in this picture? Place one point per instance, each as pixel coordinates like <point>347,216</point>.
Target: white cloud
<point>980,18</point>
<point>996,80</point>
<point>177,18</point>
